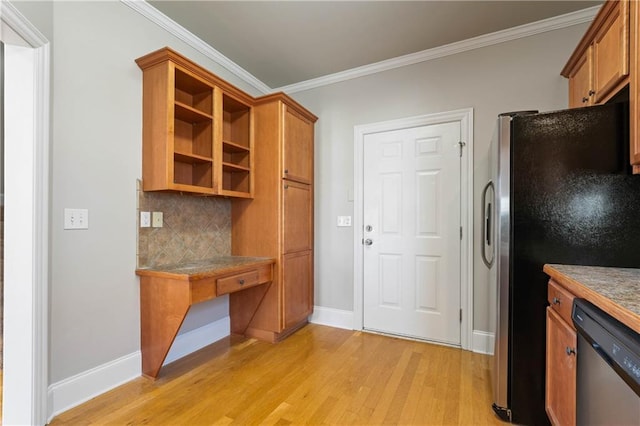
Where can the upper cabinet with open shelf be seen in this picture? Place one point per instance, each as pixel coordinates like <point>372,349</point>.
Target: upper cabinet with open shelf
<point>197,129</point>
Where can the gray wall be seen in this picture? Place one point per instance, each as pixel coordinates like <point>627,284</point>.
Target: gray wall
<point>521,74</point>
<point>95,161</point>
<point>96,157</point>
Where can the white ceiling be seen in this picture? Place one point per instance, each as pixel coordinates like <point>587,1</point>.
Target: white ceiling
<point>287,42</point>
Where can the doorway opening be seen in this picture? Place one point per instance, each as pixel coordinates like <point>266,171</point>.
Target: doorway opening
<point>411,151</point>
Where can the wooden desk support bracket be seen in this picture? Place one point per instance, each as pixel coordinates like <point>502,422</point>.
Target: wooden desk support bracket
<point>164,304</point>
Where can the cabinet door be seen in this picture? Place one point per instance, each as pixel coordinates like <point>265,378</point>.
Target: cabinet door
<point>580,87</point>
<point>297,222</point>
<point>560,392</point>
<point>297,147</point>
<point>611,51</point>
<point>634,87</point>
<point>297,284</point>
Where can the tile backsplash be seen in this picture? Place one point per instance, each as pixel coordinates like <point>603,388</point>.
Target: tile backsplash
<point>194,228</point>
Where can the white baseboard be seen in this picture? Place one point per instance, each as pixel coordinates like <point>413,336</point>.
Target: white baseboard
<point>483,342</point>
<point>73,391</point>
<point>77,389</point>
<point>197,339</point>
<point>332,317</point>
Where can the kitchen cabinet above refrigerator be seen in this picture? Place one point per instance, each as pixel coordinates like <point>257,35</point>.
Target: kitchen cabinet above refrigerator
<point>607,61</point>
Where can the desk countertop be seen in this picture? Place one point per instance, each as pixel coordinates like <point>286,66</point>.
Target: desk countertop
<point>205,268</point>
<point>614,290</point>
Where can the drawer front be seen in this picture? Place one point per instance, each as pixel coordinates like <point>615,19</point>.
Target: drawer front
<point>238,282</point>
<point>202,290</point>
<point>561,301</point>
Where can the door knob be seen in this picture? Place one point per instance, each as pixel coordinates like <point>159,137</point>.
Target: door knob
<point>368,242</point>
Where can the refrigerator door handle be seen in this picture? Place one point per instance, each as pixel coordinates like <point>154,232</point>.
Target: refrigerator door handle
<point>486,226</point>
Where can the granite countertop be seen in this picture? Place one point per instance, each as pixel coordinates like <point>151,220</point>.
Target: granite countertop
<point>206,267</point>
<point>614,290</point>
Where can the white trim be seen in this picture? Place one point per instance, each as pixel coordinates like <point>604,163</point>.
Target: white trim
<point>465,117</point>
<point>545,25</point>
<point>497,37</point>
<point>21,25</point>
<point>194,340</point>
<point>483,342</point>
<point>171,26</point>
<point>338,318</point>
<point>32,300</point>
<point>75,390</point>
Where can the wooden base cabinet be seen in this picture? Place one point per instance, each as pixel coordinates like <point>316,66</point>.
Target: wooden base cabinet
<point>278,222</point>
<point>560,391</point>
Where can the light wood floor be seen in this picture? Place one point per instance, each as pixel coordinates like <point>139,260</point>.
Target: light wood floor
<point>320,375</point>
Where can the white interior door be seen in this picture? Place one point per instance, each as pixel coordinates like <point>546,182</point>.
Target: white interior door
<point>411,250</point>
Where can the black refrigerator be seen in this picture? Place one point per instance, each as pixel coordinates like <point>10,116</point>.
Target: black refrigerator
<point>560,192</point>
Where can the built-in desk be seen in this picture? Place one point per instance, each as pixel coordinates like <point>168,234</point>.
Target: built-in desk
<point>168,291</point>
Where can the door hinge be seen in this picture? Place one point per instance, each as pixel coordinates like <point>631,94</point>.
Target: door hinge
<point>461,233</point>
<point>462,145</point>
<point>460,315</point>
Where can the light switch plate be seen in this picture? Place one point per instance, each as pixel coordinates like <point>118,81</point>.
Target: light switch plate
<point>145,219</point>
<point>344,221</point>
<point>156,219</point>
<point>76,219</point>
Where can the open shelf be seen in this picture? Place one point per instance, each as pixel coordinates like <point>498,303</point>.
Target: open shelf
<point>194,173</point>
<point>193,92</point>
<point>236,145</point>
<point>235,180</point>
<point>197,129</point>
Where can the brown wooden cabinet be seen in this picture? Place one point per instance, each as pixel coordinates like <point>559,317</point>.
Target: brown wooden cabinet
<point>278,222</point>
<point>197,134</point>
<point>634,85</point>
<point>580,81</point>
<point>560,390</point>
<point>599,67</point>
<point>297,153</point>
<point>608,60</point>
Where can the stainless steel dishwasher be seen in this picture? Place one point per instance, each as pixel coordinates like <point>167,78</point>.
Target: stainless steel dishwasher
<point>608,369</point>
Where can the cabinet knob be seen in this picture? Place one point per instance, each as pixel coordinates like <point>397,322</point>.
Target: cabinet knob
<point>241,281</point>
<point>555,301</point>
<point>592,92</point>
<point>570,351</point>
<point>585,100</point>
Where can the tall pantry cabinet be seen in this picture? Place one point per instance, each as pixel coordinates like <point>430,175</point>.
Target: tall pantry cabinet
<point>278,222</point>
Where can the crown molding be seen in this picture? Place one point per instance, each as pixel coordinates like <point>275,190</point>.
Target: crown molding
<point>527,30</point>
<point>14,19</point>
<point>168,24</point>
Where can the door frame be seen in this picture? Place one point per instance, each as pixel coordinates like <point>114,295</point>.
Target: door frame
<point>26,352</point>
<point>465,118</point>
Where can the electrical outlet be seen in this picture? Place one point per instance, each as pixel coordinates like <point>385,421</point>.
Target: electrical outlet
<point>344,221</point>
<point>145,219</point>
<point>156,219</point>
<point>76,219</point>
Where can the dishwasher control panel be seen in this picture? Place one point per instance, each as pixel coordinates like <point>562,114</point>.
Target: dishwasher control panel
<point>616,343</point>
